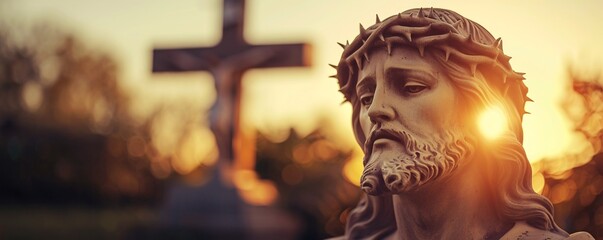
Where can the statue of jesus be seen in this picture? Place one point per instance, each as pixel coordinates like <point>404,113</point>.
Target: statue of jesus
<point>418,81</point>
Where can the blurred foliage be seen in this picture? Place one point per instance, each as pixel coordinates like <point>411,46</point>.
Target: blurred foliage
<point>51,79</point>
<point>67,138</point>
<point>588,118</point>
<point>64,123</point>
<point>308,174</point>
<point>576,193</point>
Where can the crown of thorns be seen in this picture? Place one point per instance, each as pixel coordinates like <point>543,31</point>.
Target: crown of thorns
<point>445,30</point>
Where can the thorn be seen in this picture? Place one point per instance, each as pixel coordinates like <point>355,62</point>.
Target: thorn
<point>358,61</point>
<point>521,75</point>
<point>400,15</point>
<point>504,58</point>
<point>333,66</point>
<point>408,36</point>
<point>421,14</point>
<point>527,113</point>
<point>469,38</point>
<point>421,50</point>
<point>362,30</point>
<point>377,20</point>
<point>447,55</point>
<point>389,48</point>
<point>496,43</point>
<point>341,45</point>
<point>366,56</point>
<point>381,37</point>
<point>333,76</point>
<point>500,45</point>
<point>529,99</point>
<point>347,43</point>
<point>431,13</point>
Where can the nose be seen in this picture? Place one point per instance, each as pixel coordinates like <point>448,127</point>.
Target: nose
<point>380,110</point>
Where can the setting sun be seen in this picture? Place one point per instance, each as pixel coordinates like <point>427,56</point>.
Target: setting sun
<point>492,122</point>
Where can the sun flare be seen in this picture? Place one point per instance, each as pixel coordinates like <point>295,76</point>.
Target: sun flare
<point>492,122</point>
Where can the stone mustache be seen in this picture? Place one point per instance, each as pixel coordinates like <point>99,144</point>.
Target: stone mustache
<point>417,82</point>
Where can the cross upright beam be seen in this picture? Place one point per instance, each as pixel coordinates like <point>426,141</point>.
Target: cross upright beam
<point>227,61</point>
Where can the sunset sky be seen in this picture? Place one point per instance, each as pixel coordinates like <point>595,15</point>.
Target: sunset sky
<point>543,37</point>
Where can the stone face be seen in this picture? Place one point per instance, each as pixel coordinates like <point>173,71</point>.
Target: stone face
<point>417,82</point>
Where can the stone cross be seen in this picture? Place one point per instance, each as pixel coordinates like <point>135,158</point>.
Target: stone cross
<point>227,61</point>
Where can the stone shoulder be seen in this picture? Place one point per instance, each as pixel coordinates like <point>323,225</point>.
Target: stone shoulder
<point>523,231</point>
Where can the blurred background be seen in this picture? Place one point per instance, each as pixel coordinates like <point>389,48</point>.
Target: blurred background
<point>93,145</point>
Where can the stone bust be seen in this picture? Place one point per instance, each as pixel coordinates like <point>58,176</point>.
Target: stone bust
<point>417,82</point>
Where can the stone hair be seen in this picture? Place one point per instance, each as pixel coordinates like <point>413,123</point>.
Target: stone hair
<point>457,38</point>
<point>479,70</point>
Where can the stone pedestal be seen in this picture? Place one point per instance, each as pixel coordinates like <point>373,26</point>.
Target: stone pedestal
<point>215,211</point>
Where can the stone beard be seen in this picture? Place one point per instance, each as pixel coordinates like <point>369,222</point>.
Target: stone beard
<point>418,163</point>
<point>417,82</point>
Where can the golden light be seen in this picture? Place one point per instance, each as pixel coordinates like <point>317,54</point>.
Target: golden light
<point>196,148</point>
<point>324,150</point>
<point>538,182</point>
<point>302,154</point>
<point>163,137</point>
<point>253,190</point>
<point>32,96</point>
<point>563,191</point>
<point>353,168</point>
<point>492,122</point>
<point>245,179</point>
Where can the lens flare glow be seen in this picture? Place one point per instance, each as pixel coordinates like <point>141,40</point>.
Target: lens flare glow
<point>492,122</point>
